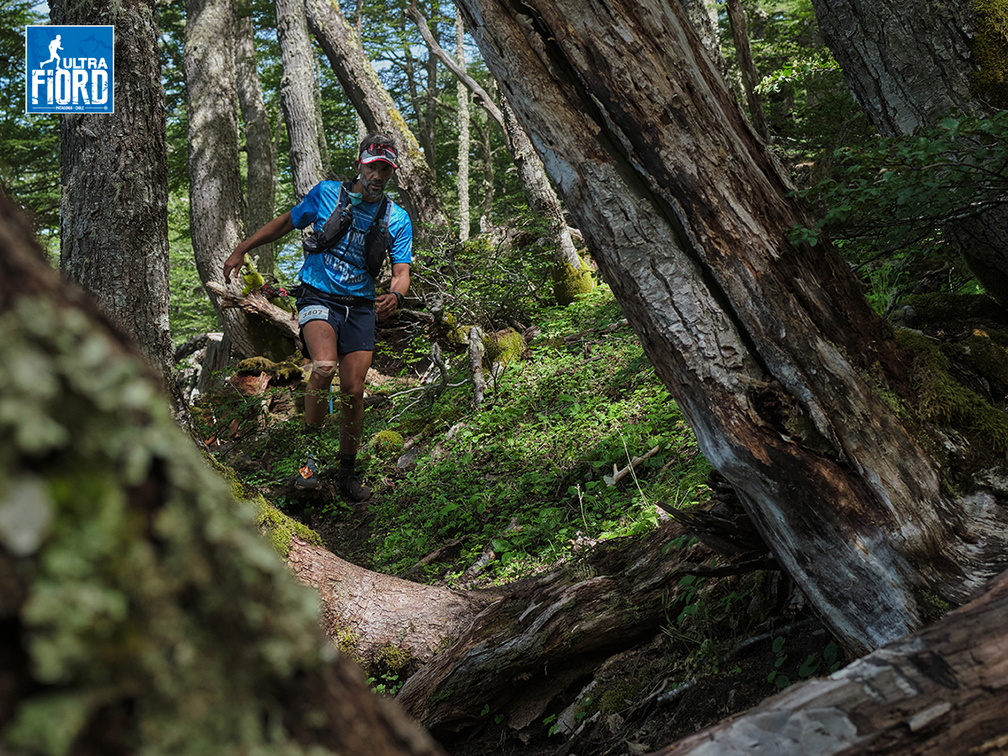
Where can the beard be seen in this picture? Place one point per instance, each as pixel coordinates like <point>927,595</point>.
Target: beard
<point>372,192</point>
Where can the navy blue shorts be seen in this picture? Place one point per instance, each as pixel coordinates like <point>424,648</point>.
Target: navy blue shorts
<point>351,318</point>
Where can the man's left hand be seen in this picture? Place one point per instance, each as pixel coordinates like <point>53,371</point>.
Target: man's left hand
<point>386,305</point>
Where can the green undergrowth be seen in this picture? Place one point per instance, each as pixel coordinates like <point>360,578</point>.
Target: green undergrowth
<point>526,474</point>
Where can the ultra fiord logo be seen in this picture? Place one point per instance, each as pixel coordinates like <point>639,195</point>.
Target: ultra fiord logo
<point>69,69</point>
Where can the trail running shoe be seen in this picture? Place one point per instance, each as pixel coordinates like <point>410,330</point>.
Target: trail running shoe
<point>307,477</point>
<point>351,487</point>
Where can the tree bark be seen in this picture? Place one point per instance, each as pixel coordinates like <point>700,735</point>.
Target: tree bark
<point>260,154</point>
<point>215,192</point>
<point>114,207</point>
<point>137,593</point>
<point>299,98</point>
<point>769,348</point>
<point>740,35</point>
<point>375,106</point>
<point>464,142</point>
<point>910,66</point>
<point>941,691</point>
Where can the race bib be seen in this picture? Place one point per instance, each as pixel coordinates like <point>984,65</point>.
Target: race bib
<point>313,312</point>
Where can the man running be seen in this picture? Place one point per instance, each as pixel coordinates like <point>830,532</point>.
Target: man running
<point>337,302</point>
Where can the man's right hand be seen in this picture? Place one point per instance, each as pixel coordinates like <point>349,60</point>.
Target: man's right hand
<point>272,231</point>
<point>235,260</point>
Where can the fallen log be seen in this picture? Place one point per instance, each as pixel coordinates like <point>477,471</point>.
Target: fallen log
<point>546,637</point>
<point>256,304</point>
<point>370,614</point>
<point>942,690</point>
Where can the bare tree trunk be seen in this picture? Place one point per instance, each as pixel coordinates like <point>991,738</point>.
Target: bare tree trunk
<point>476,351</point>
<point>486,149</point>
<point>462,95</point>
<point>740,34</point>
<point>910,66</point>
<point>375,106</point>
<point>428,115</point>
<point>770,349</point>
<point>215,193</point>
<point>299,97</point>
<point>113,212</point>
<point>410,70</point>
<point>941,691</point>
<point>136,592</point>
<point>260,155</point>
<point>362,131</point>
<point>571,276</point>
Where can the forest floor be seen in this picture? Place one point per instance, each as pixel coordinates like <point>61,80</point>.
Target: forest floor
<point>473,496</point>
<point>688,676</point>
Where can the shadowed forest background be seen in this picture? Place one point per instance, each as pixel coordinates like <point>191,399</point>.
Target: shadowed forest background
<point>698,393</point>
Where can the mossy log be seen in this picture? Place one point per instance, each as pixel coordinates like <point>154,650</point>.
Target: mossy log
<point>141,608</point>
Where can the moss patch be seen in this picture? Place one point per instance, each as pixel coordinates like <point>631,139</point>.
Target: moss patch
<point>386,443</point>
<point>280,529</point>
<point>504,347</point>
<point>570,282</point>
<point>990,50</point>
<point>283,371</point>
<point>943,400</point>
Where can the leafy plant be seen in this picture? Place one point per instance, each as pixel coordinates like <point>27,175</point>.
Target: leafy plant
<point>890,200</point>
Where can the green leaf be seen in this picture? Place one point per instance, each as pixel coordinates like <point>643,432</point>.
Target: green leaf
<point>830,652</point>
<point>810,666</point>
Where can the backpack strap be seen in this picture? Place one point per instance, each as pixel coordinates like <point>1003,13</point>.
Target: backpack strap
<point>335,228</point>
<point>381,217</point>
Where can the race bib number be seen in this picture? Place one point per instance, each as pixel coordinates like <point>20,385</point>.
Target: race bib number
<point>313,312</point>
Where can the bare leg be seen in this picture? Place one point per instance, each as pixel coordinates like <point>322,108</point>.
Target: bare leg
<point>320,338</point>
<point>352,372</point>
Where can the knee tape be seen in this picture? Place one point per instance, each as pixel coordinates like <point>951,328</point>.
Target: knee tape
<point>324,368</point>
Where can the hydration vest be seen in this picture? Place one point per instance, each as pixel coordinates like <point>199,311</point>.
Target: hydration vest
<point>377,239</point>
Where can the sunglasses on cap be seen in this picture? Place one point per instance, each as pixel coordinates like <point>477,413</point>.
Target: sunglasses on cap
<point>385,152</point>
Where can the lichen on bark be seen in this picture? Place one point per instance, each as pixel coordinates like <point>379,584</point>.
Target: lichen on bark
<point>142,586</point>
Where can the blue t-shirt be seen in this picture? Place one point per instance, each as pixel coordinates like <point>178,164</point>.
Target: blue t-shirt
<point>327,271</point>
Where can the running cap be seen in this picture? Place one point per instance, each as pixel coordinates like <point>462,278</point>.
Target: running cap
<point>380,151</point>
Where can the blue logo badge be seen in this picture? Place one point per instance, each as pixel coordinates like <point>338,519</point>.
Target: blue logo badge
<point>69,69</point>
